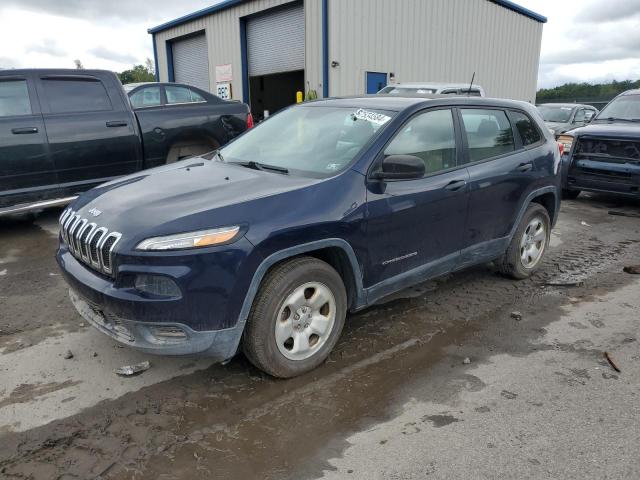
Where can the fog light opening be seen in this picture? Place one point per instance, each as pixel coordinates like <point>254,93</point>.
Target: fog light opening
<point>169,333</point>
<point>157,285</point>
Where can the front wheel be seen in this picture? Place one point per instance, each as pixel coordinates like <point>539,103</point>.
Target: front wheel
<point>528,245</point>
<point>296,318</point>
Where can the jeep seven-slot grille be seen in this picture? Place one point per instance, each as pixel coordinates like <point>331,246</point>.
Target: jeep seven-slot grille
<point>88,242</point>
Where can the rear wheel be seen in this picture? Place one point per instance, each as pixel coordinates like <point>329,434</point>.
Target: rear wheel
<point>570,194</point>
<point>528,245</point>
<point>296,318</point>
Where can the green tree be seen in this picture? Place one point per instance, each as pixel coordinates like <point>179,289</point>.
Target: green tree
<point>585,92</point>
<point>139,73</point>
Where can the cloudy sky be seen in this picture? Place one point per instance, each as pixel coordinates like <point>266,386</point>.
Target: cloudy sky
<point>584,40</point>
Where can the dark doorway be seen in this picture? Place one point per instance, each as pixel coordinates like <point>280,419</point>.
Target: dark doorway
<point>274,92</point>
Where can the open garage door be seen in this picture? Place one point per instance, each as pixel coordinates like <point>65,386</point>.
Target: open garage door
<point>191,61</point>
<point>275,54</point>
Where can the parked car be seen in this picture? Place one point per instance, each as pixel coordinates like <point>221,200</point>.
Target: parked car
<point>562,117</point>
<point>604,156</point>
<point>64,131</point>
<point>324,208</point>
<point>433,89</point>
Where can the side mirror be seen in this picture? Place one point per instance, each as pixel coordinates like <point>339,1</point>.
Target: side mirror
<point>588,117</point>
<point>401,167</point>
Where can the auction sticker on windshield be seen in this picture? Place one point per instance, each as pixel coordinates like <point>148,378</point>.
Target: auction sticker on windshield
<point>373,117</point>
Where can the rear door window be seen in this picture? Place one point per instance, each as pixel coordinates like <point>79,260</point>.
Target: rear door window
<point>146,97</point>
<point>177,94</point>
<point>489,133</point>
<point>14,98</point>
<point>72,95</point>
<point>526,128</point>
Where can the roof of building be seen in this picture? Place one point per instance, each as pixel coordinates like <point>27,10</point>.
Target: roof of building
<point>225,4</point>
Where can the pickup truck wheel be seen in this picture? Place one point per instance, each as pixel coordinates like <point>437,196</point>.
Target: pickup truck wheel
<point>528,245</point>
<point>296,317</point>
<point>570,194</point>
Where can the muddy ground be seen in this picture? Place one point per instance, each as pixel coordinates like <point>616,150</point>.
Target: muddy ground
<point>396,399</point>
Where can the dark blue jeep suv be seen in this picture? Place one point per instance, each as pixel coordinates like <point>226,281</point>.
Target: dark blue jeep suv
<point>324,208</point>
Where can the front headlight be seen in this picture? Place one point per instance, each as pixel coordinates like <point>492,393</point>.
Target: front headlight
<point>566,141</point>
<point>180,241</point>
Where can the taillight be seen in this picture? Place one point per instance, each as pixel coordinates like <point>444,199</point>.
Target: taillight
<point>249,121</point>
<point>561,148</point>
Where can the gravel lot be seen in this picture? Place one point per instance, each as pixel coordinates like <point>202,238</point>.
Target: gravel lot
<point>397,399</point>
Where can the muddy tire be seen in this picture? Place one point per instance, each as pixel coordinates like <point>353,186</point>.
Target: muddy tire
<point>528,245</point>
<point>296,317</point>
<point>570,194</point>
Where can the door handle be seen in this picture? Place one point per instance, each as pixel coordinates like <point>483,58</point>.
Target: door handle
<point>455,185</point>
<point>524,167</point>
<point>116,123</point>
<point>24,131</point>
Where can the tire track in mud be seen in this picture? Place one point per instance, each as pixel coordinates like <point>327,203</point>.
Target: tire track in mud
<point>118,438</point>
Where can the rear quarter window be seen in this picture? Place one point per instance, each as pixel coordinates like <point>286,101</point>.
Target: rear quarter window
<point>529,133</point>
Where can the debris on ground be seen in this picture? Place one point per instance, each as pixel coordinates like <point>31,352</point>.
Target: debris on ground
<point>611,362</point>
<point>583,223</point>
<point>517,316</point>
<point>633,269</point>
<point>466,361</point>
<point>130,370</point>
<point>68,355</point>
<point>624,214</point>
<point>95,354</point>
<point>563,284</point>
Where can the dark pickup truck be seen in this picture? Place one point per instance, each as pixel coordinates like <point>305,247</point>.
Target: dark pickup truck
<point>63,132</point>
<point>604,156</point>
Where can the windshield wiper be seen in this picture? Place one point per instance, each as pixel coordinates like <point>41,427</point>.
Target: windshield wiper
<point>263,167</point>
<point>616,119</point>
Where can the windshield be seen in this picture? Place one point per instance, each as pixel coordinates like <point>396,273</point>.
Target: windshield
<point>555,113</point>
<point>310,141</point>
<point>625,107</point>
<point>406,90</point>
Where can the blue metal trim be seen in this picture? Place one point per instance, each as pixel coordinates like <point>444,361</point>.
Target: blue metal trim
<point>325,48</point>
<point>195,15</point>
<point>244,62</point>
<point>155,57</point>
<point>521,10</point>
<point>170,72</point>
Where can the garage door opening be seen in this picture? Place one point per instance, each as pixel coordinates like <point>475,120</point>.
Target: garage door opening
<point>274,92</point>
<point>275,58</point>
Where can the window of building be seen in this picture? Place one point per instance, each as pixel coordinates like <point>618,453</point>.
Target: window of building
<point>66,95</point>
<point>489,133</point>
<point>429,136</point>
<point>14,98</point>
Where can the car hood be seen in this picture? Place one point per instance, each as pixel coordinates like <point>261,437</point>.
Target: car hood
<point>178,197</point>
<point>624,130</point>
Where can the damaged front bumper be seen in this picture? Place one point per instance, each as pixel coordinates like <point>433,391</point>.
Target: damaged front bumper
<point>604,165</point>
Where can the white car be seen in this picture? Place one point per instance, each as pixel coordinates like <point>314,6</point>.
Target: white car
<point>433,89</point>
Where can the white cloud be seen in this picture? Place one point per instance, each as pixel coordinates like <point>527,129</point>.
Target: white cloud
<point>584,40</point>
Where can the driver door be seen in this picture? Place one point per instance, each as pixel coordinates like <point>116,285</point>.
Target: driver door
<point>415,227</point>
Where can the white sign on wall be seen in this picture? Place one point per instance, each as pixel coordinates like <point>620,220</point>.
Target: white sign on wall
<point>223,90</point>
<point>224,73</point>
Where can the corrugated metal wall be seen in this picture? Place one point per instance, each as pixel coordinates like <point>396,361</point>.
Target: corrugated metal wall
<point>434,40</point>
<point>223,40</point>
<point>418,40</point>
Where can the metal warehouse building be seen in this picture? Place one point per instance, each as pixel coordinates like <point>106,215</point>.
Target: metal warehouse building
<point>263,51</point>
